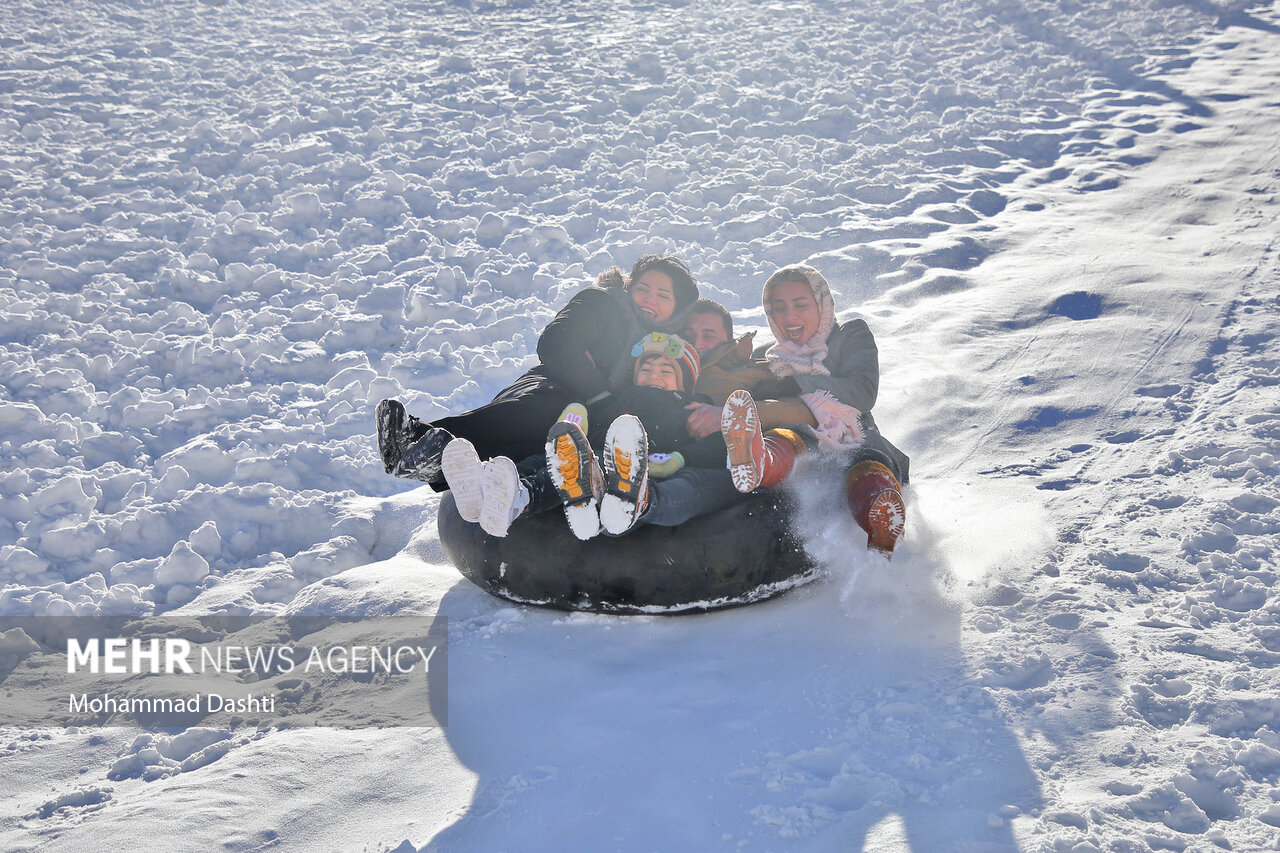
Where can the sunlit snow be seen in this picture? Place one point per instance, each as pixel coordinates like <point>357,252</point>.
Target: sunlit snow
<point>229,228</point>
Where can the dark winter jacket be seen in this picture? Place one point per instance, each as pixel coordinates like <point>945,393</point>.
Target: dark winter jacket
<point>662,412</point>
<point>584,343</point>
<point>585,351</point>
<point>854,362</point>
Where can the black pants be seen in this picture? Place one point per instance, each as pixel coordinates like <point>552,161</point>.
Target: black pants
<point>514,424</point>
<point>878,448</point>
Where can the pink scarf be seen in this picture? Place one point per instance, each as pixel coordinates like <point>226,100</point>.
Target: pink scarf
<point>787,358</point>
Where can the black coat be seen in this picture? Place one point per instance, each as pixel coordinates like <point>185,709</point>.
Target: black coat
<point>662,413</point>
<point>585,351</point>
<point>581,348</point>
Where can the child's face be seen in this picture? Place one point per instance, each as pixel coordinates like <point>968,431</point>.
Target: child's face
<point>659,371</point>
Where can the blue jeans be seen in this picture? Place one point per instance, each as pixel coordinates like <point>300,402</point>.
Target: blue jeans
<point>690,492</point>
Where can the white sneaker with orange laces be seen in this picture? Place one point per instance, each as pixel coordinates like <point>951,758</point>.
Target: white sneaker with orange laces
<point>626,475</point>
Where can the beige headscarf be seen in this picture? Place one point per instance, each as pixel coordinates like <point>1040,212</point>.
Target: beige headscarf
<point>839,425</point>
<point>787,358</point>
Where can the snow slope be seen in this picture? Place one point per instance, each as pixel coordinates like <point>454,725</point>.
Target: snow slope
<point>228,229</point>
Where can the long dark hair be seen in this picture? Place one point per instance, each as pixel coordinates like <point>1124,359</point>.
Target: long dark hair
<point>682,283</point>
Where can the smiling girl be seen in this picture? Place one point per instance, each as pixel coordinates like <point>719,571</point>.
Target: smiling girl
<point>835,369</point>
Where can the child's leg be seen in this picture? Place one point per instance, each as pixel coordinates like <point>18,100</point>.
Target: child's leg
<point>689,493</point>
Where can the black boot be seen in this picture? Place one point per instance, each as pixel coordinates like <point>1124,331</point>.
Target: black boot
<point>409,447</point>
<point>390,417</point>
<point>397,431</point>
<point>422,460</point>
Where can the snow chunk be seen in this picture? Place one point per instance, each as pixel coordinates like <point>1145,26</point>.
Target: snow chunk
<point>206,541</point>
<point>17,562</point>
<point>81,798</point>
<point>182,566</point>
<point>15,645</point>
<point>152,757</point>
<point>65,497</point>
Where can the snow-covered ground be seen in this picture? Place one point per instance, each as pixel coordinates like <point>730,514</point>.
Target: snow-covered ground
<point>227,229</point>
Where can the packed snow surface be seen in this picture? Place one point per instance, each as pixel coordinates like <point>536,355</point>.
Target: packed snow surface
<point>228,228</point>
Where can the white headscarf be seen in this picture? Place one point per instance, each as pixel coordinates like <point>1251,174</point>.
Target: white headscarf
<point>839,425</point>
<point>787,358</point>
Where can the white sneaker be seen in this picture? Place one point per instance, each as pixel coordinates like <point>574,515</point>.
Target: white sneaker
<point>577,477</point>
<point>500,484</point>
<point>626,475</point>
<point>463,472</point>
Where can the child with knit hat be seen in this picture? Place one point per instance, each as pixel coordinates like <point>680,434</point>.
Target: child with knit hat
<point>665,361</point>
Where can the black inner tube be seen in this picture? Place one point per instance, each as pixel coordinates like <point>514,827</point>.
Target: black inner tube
<point>739,555</point>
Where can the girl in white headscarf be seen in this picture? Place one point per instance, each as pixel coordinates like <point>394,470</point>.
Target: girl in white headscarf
<point>835,369</point>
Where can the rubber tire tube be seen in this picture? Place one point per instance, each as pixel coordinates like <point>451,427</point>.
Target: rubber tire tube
<point>739,555</point>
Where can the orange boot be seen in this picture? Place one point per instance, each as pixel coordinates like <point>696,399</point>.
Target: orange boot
<point>781,447</point>
<point>756,460</point>
<point>875,497</point>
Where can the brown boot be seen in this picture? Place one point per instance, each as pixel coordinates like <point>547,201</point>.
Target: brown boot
<point>875,497</point>
<point>781,447</point>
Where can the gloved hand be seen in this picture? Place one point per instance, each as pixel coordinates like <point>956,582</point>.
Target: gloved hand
<point>575,413</point>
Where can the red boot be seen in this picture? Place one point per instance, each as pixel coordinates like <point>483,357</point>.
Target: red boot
<point>781,447</point>
<point>875,497</point>
<point>756,460</point>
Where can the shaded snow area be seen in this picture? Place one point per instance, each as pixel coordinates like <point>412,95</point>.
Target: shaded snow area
<point>228,229</point>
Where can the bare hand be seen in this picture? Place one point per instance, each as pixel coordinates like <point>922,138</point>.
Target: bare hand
<point>703,420</point>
